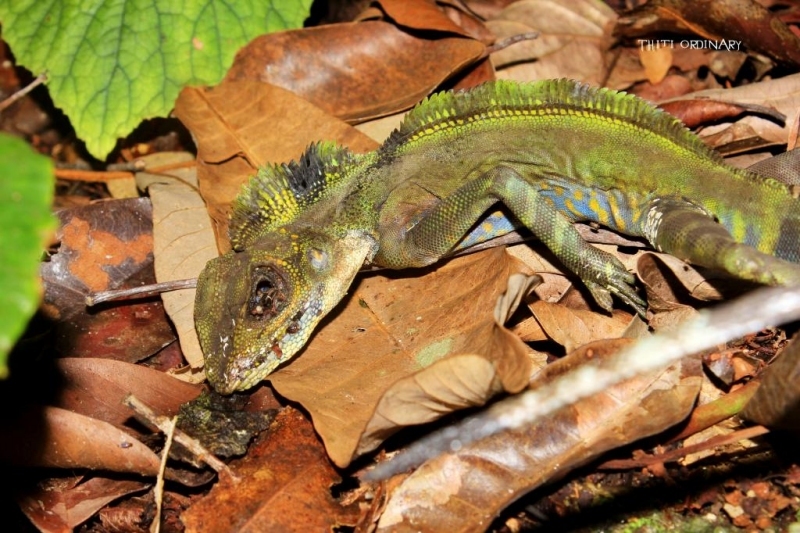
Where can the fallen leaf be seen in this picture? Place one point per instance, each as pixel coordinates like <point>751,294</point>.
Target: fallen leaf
<point>183,241</point>
<point>656,62</point>
<point>420,15</point>
<point>664,276</point>
<point>383,360</point>
<point>746,22</point>
<point>62,504</point>
<point>573,39</point>
<point>104,245</point>
<point>782,95</point>
<point>572,328</point>
<point>241,125</point>
<point>776,403</point>
<point>57,438</point>
<point>464,490</point>
<point>285,485</point>
<point>96,387</point>
<point>330,67</point>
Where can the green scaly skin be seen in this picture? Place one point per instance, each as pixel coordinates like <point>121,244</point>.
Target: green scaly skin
<point>553,152</point>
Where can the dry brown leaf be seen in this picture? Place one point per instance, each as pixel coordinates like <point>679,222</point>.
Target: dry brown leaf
<point>746,22</point>
<point>782,95</point>
<point>241,125</point>
<point>373,367</point>
<point>57,438</point>
<point>574,37</point>
<point>776,403</point>
<point>696,112</point>
<point>656,62</point>
<point>659,271</point>
<point>62,504</point>
<point>420,15</point>
<point>183,240</point>
<point>104,245</point>
<point>285,485</point>
<point>463,491</point>
<point>357,71</point>
<point>572,328</point>
<point>96,387</point>
<point>672,284</point>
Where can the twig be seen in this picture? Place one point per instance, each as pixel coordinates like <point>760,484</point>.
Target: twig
<point>142,292</point>
<point>508,41</point>
<point>758,310</point>
<point>103,176</point>
<point>5,104</point>
<point>191,444</point>
<point>674,455</point>
<point>155,527</point>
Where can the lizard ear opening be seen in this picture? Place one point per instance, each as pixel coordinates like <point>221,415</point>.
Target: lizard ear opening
<point>269,293</point>
<point>318,258</point>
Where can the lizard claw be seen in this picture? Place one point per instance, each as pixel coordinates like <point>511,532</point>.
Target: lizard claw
<point>615,279</point>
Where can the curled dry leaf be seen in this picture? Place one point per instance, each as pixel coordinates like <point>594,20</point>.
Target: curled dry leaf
<point>776,403</point>
<point>781,95</point>
<point>183,240</point>
<point>463,491</point>
<point>405,349</point>
<point>330,67</point>
<point>745,23</point>
<point>96,387</point>
<point>62,504</point>
<point>285,485</point>
<point>420,15</point>
<point>241,125</point>
<point>104,245</point>
<point>572,328</point>
<point>656,62</point>
<point>669,281</point>
<point>57,438</point>
<point>573,39</point>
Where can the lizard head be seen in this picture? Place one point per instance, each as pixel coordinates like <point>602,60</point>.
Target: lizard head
<point>256,308</point>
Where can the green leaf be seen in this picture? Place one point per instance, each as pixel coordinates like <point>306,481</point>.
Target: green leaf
<point>26,194</point>
<point>112,63</point>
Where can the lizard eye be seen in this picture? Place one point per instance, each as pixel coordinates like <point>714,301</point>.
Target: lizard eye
<point>268,296</point>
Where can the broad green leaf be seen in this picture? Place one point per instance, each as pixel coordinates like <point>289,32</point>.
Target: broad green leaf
<point>112,63</point>
<point>26,193</point>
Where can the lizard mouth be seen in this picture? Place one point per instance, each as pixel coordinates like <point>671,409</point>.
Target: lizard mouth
<point>266,303</point>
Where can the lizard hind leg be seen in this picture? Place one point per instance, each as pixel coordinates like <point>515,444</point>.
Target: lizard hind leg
<point>689,233</point>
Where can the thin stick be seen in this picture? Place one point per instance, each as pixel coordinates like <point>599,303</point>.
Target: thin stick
<point>104,176</point>
<point>155,526</point>
<point>142,292</point>
<point>674,455</point>
<point>508,41</point>
<point>191,444</point>
<point>40,79</point>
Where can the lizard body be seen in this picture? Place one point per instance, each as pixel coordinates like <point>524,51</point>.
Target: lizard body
<point>553,152</point>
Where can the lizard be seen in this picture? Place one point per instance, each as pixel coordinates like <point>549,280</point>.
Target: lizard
<point>553,152</point>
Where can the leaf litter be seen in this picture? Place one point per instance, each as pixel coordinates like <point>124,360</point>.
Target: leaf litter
<point>393,369</point>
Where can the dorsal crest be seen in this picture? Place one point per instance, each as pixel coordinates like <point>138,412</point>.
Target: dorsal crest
<point>505,99</point>
<point>278,194</point>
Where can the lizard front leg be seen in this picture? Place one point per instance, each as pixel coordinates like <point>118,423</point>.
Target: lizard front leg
<point>689,233</point>
<point>440,229</point>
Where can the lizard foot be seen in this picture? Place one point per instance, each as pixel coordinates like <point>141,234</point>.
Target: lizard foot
<point>615,279</point>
